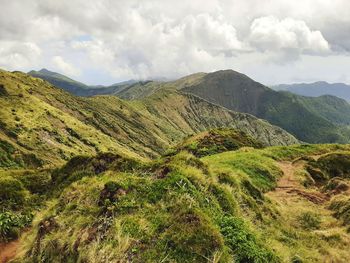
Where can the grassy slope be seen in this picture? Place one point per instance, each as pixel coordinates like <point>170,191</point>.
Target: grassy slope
<point>216,141</point>
<point>48,122</point>
<point>54,125</point>
<point>188,114</point>
<point>60,81</point>
<point>179,209</point>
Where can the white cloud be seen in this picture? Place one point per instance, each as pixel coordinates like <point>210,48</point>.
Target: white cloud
<point>16,55</point>
<point>269,33</point>
<point>65,67</point>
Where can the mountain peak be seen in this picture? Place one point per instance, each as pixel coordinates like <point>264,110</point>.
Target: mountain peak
<point>44,70</point>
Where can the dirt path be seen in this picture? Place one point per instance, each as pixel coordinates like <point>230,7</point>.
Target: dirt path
<point>292,200</point>
<point>289,185</point>
<point>8,251</point>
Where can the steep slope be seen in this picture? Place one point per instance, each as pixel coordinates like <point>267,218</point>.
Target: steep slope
<point>316,89</point>
<point>230,89</point>
<point>37,118</point>
<point>143,89</point>
<point>331,108</point>
<point>139,90</point>
<point>179,113</point>
<point>298,115</point>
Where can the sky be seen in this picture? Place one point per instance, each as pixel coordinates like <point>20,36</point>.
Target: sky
<point>106,41</point>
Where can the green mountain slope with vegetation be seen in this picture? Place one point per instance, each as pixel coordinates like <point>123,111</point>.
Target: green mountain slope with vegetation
<point>76,87</point>
<point>313,120</point>
<point>216,141</point>
<point>53,126</point>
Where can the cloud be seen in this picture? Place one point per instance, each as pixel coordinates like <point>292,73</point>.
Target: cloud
<point>15,55</point>
<point>145,39</point>
<point>269,33</point>
<point>65,67</point>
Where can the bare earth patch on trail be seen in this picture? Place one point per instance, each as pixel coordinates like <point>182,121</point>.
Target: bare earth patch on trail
<point>289,185</point>
<point>8,251</point>
<point>329,242</point>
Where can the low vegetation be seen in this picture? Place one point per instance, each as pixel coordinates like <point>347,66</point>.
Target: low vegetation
<point>176,209</point>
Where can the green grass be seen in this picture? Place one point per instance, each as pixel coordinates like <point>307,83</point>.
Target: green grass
<point>251,165</point>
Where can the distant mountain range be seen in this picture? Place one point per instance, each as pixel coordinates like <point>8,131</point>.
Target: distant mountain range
<point>76,87</point>
<point>316,89</point>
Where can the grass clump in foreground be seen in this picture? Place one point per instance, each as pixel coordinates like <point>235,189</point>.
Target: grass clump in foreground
<point>174,210</point>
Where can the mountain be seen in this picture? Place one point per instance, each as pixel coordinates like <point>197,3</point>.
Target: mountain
<point>38,118</point>
<point>60,81</point>
<point>316,89</point>
<point>309,119</point>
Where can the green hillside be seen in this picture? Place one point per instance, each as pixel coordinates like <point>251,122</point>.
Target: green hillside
<point>316,89</point>
<point>216,141</point>
<point>50,125</point>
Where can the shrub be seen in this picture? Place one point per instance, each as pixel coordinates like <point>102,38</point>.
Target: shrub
<point>316,174</point>
<point>336,164</point>
<point>3,91</point>
<point>341,208</point>
<point>37,182</point>
<point>251,190</point>
<point>193,236</point>
<point>226,200</point>
<point>12,191</point>
<point>309,220</point>
<point>297,259</point>
<point>243,243</point>
<point>11,224</point>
